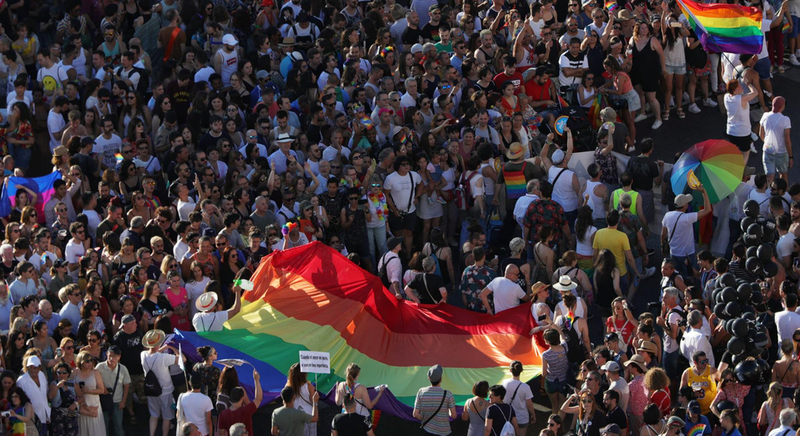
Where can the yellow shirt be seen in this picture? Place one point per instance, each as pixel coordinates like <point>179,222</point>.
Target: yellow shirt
<point>617,242</point>
<point>705,388</point>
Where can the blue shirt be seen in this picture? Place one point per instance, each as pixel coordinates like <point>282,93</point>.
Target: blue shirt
<point>19,290</point>
<point>73,314</point>
<point>5,315</point>
<point>52,323</point>
<point>703,420</point>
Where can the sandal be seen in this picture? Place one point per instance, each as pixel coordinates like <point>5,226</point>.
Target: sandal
<point>681,113</point>
<point>781,70</point>
<point>664,116</point>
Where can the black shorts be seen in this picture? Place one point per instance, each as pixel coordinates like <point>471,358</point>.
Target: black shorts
<point>741,142</point>
<point>403,222</point>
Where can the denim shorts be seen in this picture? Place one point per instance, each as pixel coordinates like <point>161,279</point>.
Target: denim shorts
<point>776,163</point>
<point>556,386</point>
<point>762,68</point>
<point>795,27</point>
<point>676,70</point>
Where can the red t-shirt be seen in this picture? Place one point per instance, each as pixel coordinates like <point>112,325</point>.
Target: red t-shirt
<point>538,92</point>
<point>516,79</point>
<point>661,399</point>
<point>244,415</point>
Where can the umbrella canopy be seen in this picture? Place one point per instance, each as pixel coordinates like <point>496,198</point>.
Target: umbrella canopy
<point>716,163</point>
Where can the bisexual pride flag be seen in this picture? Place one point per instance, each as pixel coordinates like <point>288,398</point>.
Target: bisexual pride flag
<point>41,186</point>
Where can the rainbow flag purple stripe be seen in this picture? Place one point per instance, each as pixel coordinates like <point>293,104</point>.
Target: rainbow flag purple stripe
<point>515,185</point>
<point>41,186</point>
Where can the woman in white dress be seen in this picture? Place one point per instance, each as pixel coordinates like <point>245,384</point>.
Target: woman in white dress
<point>91,383</point>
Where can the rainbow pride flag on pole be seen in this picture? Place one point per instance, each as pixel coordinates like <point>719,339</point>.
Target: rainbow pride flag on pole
<point>725,28</point>
<point>313,298</point>
<point>41,186</point>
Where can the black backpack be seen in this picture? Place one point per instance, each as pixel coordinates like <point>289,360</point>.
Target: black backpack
<point>383,272</point>
<point>575,350</point>
<point>144,80</point>
<point>152,387</point>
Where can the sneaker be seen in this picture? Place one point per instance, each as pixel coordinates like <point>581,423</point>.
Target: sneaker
<point>656,125</point>
<point>685,96</point>
<point>441,200</point>
<point>672,102</point>
<point>793,60</point>
<point>694,109</point>
<point>648,272</point>
<point>753,136</point>
<point>797,53</point>
<point>640,117</point>
<point>709,103</point>
<point>753,148</point>
<point>430,200</point>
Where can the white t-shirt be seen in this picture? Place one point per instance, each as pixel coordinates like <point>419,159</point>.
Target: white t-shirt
<point>681,242</point>
<point>506,294</point>
<point>185,208</point>
<point>209,321</point>
<point>785,245</point>
<point>73,254</point>
<point>566,61</point>
<point>520,399</point>
<point>159,363</point>
<point>51,78</point>
<point>194,290</point>
<point>108,148</point>
<point>194,406</point>
<point>55,124</point>
<point>131,75</point>
<point>401,190</point>
<point>762,198</point>
<point>671,345</point>
<point>621,386</point>
<point>787,323</point>
<point>151,166</point>
<point>774,124</point>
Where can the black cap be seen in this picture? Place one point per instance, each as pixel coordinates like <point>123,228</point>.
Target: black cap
<point>87,140</point>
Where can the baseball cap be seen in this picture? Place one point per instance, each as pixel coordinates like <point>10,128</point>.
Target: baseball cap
<point>416,48</point>
<point>610,366</point>
<point>229,40</point>
<point>683,199</point>
<point>694,407</point>
<point>261,74</point>
<point>558,157</point>
<point>128,318</point>
<point>435,374</point>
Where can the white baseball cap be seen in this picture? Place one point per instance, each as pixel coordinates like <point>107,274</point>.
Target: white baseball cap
<point>229,40</point>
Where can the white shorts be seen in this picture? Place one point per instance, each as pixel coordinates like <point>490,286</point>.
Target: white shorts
<point>161,406</point>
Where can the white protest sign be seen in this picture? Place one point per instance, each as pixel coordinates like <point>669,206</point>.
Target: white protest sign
<point>317,362</point>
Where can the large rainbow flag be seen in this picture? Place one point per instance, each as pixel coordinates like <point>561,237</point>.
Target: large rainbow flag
<point>313,298</point>
<point>725,28</point>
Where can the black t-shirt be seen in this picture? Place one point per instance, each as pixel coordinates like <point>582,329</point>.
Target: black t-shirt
<point>131,346</point>
<point>499,413</point>
<point>8,269</point>
<point>617,416</point>
<point>351,424</point>
<point>155,309</point>
<point>643,170</point>
<point>255,258</point>
<point>555,52</point>
<point>431,31</point>
<point>207,141</point>
<point>431,294</point>
<point>411,36</point>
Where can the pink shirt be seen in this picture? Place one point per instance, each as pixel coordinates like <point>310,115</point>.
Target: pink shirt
<point>180,322</point>
<point>638,398</point>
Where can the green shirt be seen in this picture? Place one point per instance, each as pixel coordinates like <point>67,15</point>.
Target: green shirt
<point>291,422</point>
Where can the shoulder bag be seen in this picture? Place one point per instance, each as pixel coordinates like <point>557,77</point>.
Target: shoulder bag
<point>665,243</point>
<point>107,400</point>
<point>444,395</point>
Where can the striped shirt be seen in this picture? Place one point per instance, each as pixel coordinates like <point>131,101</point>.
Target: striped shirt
<point>427,401</point>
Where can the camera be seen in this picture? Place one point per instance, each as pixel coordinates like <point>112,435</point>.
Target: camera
<point>5,414</point>
<point>59,352</point>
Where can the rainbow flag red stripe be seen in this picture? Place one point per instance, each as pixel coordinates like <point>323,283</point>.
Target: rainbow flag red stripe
<point>725,28</point>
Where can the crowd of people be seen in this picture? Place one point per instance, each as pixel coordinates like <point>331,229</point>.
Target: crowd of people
<point>426,143</point>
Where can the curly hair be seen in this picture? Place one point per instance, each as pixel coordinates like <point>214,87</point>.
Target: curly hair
<point>656,379</point>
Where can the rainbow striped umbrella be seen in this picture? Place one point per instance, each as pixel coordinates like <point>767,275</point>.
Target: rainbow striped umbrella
<point>716,163</point>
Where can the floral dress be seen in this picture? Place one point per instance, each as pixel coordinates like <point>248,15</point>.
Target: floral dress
<point>608,165</point>
<point>473,281</point>
<point>210,376</point>
<point>64,422</point>
<point>23,132</point>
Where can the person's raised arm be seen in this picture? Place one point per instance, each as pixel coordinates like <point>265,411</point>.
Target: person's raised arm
<point>259,391</point>
<point>237,304</point>
<point>545,155</point>
<point>706,203</point>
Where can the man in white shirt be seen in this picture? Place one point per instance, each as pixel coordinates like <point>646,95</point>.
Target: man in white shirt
<point>210,317</point>
<point>153,360</point>
<point>694,340</point>
<point>774,129</point>
<point>787,320</point>
<point>507,293</point>
<point>24,285</point>
<point>671,313</point>
<point>617,383</point>
<point>409,99</point>
<point>390,268</point>
<point>50,76</point>
<point>521,207</point>
<point>572,64</point>
<point>787,418</point>
<point>108,144</point>
<point>677,228</point>
<point>36,390</point>
<point>55,121</point>
<point>402,189</point>
<point>195,406</point>
<point>75,249</point>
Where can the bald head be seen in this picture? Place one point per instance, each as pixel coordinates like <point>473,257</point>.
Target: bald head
<point>512,270</point>
<point>45,308</point>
